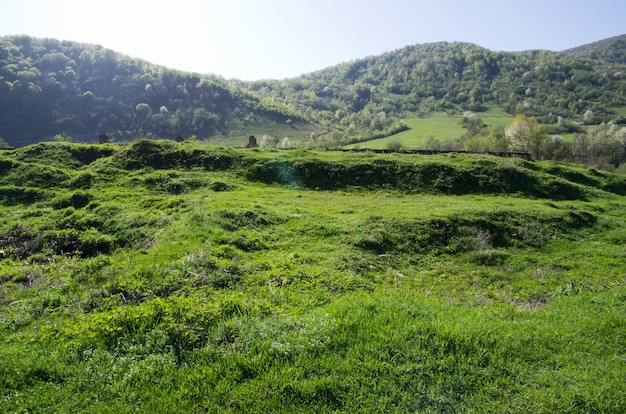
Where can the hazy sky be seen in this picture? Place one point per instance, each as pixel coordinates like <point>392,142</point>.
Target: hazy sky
<point>256,39</point>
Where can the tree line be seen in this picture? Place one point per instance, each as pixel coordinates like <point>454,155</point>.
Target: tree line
<point>602,145</point>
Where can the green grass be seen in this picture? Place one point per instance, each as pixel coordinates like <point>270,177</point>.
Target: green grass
<point>619,112</point>
<point>441,126</point>
<point>495,116</point>
<point>178,278</point>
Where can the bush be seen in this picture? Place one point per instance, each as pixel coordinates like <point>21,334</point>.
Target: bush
<point>93,243</point>
<point>40,176</point>
<point>219,186</point>
<point>489,257</point>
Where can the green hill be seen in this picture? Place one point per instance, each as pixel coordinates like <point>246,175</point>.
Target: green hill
<point>57,88</point>
<point>50,87</point>
<point>167,277</point>
<point>367,97</point>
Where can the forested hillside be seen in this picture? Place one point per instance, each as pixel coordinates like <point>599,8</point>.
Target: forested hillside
<point>366,96</point>
<point>50,87</point>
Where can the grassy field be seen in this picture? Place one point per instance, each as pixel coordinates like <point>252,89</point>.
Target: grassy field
<point>441,126</point>
<point>495,117</point>
<point>160,277</point>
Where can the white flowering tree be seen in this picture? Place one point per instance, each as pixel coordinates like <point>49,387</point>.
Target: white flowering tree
<point>526,134</point>
<point>268,141</point>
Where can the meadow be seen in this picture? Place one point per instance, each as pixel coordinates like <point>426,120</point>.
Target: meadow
<point>160,277</point>
<point>439,125</point>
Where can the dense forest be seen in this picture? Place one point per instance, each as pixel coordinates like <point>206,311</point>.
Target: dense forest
<point>50,87</point>
<point>57,88</point>
<point>365,94</point>
<point>443,76</point>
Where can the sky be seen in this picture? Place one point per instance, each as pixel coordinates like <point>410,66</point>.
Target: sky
<point>276,39</point>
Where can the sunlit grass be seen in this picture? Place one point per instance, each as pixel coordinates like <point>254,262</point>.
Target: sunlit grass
<point>441,126</point>
<point>217,290</point>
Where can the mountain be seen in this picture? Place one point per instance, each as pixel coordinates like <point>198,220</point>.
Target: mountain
<point>461,76</point>
<point>610,49</point>
<point>50,87</point>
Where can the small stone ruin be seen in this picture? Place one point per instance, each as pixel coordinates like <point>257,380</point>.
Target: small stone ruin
<point>252,142</point>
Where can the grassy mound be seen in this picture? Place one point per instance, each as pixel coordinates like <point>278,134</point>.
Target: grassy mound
<point>169,277</point>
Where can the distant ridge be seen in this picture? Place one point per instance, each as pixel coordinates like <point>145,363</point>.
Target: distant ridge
<point>598,44</point>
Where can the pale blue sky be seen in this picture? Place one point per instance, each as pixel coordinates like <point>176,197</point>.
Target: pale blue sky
<point>256,39</point>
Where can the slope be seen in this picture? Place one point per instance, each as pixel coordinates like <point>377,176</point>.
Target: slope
<point>368,97</point>
<point>49,87</point>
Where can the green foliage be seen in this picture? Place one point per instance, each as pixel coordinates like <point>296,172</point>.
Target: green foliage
<point>62,89</point>
<point>77,200</point>
<point>457,77</point>
<point>61,138</point>
<point>167,154</point>
<point>13,195</point>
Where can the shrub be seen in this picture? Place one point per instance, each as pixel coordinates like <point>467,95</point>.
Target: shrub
<point>489,257</point>
<point>93,243</point>
<point>219,186</point>
<point>41,176</point>
<point>61,242</point>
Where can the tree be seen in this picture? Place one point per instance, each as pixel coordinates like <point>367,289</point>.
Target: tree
<point>142,109</point>
<point>268,141</point>
<point>526,134</point>
<point>558,149</point>
<point>581,146</point>
<point>62,137</point>
<point>394,145</point>
<point>606,148</point>
<point>498,140</point>
<point>431,143</point>
<point>536,139</point>
<point>472,123</point>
